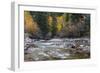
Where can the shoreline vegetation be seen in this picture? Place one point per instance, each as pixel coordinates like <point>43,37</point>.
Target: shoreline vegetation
<point>56,36</point>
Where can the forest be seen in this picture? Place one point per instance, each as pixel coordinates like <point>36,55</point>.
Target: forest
<point>47,25</point>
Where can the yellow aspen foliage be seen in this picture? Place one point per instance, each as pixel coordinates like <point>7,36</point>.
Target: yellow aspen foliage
<point>29,24</point>
<point>59,27</point>
<point>59,23</point>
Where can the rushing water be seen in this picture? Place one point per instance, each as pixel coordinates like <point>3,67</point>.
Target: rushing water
<point>53,49</point>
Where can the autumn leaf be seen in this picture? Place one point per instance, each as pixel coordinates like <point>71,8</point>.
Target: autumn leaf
<point>30,24</point>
